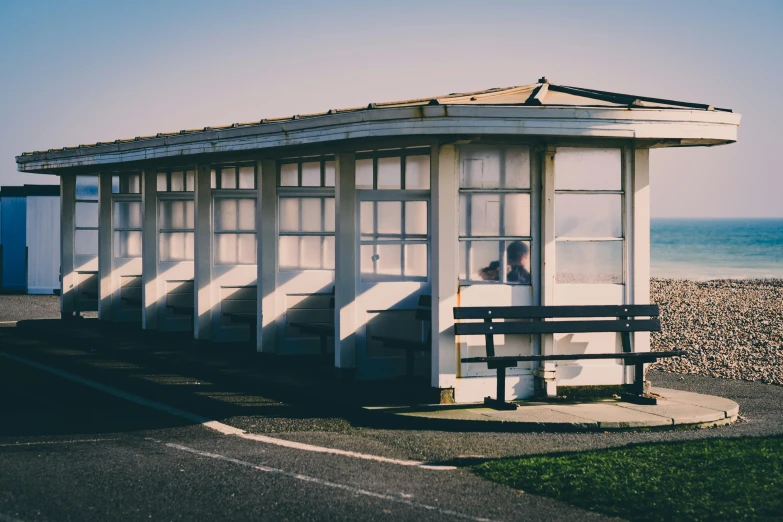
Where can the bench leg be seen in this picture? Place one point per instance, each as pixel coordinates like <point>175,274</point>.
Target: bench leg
<point>500,402</point>
<point>635,392</point>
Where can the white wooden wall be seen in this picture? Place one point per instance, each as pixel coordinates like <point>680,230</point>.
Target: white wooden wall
<point>43,244</point>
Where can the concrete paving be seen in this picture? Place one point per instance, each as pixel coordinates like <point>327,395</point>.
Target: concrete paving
<point>674,409</point>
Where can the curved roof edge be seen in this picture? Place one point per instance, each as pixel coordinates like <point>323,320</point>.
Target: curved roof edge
<point>540,109</point>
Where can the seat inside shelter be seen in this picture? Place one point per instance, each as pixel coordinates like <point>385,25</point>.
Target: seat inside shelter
<point>326,233</point>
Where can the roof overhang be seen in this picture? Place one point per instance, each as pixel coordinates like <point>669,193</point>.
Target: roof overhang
<point>657,127</point>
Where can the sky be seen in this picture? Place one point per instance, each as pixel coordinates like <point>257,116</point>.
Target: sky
<point>82,72</point>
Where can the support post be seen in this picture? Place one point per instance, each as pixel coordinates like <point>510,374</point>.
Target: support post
<point>545,373</point>
<point>106,288</point>
<point>444,172</point>
<point>202,265</point>
<point>345,323</point>
<point>267,256</point>
<point>640,256</point>
<point>67,214</point>
<point>149,249</point>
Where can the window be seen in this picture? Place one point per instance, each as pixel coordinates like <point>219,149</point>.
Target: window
<point>234,177</point>
<point>176,235</point>
<point>176,180</point>
<point>126,183</point>
<point>127,229</point>
<point>394,225</point>
<point>306,214</point>
<point>235,231</point>
<point>588,216</point>
<point>85,241</point>
<point>495,215</point>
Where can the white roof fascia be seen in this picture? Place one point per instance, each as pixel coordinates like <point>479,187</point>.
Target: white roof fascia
<point>671,124</point>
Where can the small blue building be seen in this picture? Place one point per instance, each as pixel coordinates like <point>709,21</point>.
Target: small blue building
<point>29,239</point>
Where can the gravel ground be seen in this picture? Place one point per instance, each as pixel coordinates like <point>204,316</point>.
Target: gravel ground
<point>20,307</point>
<point>732,328</point>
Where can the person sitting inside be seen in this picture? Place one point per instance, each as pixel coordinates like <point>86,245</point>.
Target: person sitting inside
<point>516,259</point>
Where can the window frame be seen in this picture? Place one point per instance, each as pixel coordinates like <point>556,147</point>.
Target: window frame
<point>533,192</point>
<point>402,195</point>
<point>126,198</point>
<point>77,228</point>
<point>298,191</point>
<point>216,177</point>
<point>174,196</point>
<point>123,183</point>
<point>233,194</point>
<point>623,215</point>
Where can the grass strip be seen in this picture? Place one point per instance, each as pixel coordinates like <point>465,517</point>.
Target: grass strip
<point>715,479</point>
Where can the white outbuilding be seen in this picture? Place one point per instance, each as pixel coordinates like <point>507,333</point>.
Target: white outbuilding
<point>329,231</point>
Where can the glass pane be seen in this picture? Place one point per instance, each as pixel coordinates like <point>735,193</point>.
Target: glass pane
<point>162,182</point>
<point>588,169</point>
<point>226,214</point>
<point>364,174</point>
<point>312,219</point>
<point>329,214</point>
<point>247,177</point>
<point>289,175</point>
<point>516,215</point>
<point>177,181</point>
<point>288,252</point>
<point>367,260</point>
<point>190,180</point>
<point>127,214</point>
<point>86,214</point>
<point>416,217</point>
<point>228,178</point>
<point>311,252</point>
<point>588,215</point>
<point>176,215</point>
<point>485,260</point>
<point>389,217</point>
<point>463,260</point>
<point>389,174</point>
<point>416,260</point>
<point>134,184</point>
<point>247,249</point>
<point>518,262</point>
<point>480,214</point>
<point>247,214</point>
<point>389,260</point>
<point>87,187</point>
<point>289,215</point>
<point>417,173</point>
<point>115,184</point>
<point>367,218</point>
<point>176,246</point>
<point>494,167</point>
<point>127,243</point>
<point>311,174</point>
<point>328,252</point>
<point>85,242</point>
<point>213,179</point>
<point>584,262</point>
<point>329,174</point>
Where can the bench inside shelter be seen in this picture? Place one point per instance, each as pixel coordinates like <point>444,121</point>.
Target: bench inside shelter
<point>318,329</point>
<point>423,314</point>
<point>624,319</point>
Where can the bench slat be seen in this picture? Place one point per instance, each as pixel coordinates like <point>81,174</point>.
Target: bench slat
<point>574,357</point>
<point>630,325</point>
<point>541,312</point>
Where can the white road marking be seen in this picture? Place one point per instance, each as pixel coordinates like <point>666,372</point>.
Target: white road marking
<point>306,478</point>
<point>8,322</point>
<point>52,442</point>
<point>225,429</point>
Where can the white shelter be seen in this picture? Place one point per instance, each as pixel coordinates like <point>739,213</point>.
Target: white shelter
<point>346,218</point>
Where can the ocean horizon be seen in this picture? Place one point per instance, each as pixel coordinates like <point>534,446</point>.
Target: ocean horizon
<point>716,248</point>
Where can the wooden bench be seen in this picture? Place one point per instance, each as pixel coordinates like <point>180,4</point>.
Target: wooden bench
<point>423,313</point>
<point>520,320</point>
<point>322,331</point>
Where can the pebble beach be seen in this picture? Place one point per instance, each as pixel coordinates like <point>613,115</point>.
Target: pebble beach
<point>732,328</point>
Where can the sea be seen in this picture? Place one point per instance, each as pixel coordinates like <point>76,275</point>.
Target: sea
<point>703,249</point>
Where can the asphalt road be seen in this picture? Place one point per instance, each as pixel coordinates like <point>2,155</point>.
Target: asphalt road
<point>70,452</point>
